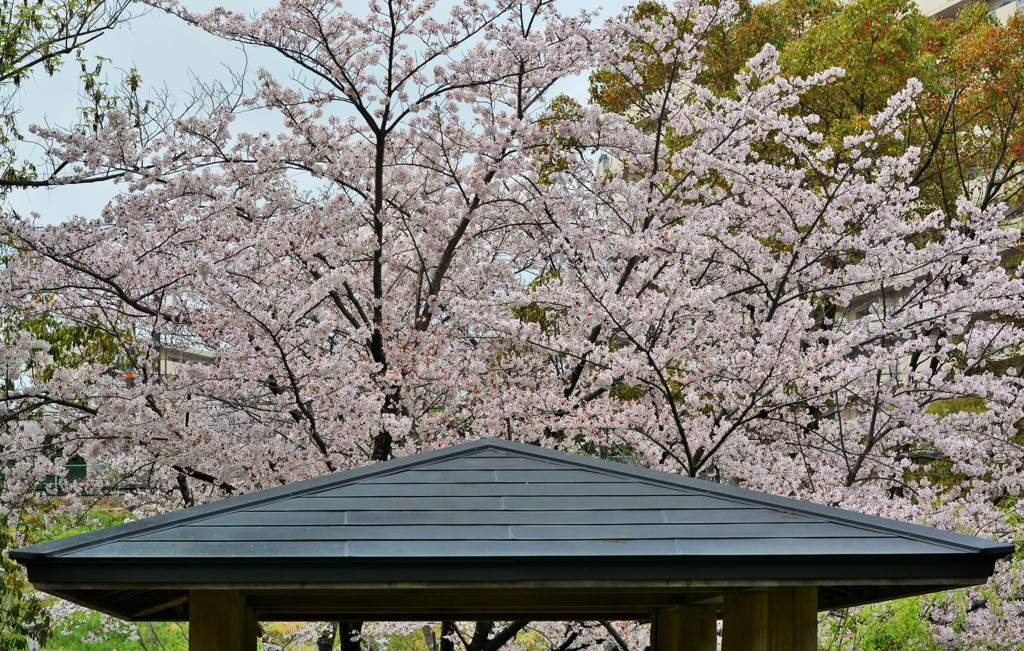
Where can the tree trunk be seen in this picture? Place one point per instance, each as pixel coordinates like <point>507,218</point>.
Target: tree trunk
<point>446,643</point>
<point>429,638</point>
<point>349,633</point>
<point>326,640</point>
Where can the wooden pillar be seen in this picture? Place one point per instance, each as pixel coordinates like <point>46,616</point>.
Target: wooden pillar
<point>665,630</point>
<point>219,621</point>
<point>700,628</point>
<point>688,628</point>
<point>793,619</point>
<point>745,621</point>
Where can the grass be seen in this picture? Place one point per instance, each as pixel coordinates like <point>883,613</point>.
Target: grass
<point>94,632</point>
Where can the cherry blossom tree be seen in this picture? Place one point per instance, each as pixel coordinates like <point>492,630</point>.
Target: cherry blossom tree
<point>435,248</point>
<point>38,36</point>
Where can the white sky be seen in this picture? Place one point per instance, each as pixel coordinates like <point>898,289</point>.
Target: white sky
<point>169,55</point>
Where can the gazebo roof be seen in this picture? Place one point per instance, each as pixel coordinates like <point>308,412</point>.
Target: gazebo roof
<point>492,514</point>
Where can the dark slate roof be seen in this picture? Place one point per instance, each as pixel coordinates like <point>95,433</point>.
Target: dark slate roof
<point>493,511</point>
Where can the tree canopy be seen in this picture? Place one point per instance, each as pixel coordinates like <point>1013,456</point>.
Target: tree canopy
<point>966,119</point>
<point>768,281</point>
<point>38,37</point>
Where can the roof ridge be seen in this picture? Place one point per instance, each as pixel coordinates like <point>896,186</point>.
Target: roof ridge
<point>678,483</point>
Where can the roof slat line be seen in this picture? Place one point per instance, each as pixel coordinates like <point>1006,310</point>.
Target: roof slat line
<point>110,534</point>
<point>505,476</point>
<point>366,489</point>
<point>956,541</point>
<point>501,503</point>
<point>854,519</point>
<point>610,548</point>
<point>502,462</point>
<point>548,532</point>
<point>454,517</point>
<point>497,514</point>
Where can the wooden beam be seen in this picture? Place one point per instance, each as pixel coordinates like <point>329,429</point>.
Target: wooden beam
<point>745,621</point>
<point>462,605</point>
<point>219,621</point>
<point>163,605</point>
<point>793,619</point>
<point>330,615</point>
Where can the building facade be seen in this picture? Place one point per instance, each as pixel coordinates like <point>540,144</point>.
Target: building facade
<point>1001,9</point>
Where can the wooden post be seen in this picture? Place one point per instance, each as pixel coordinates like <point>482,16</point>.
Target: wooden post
<point>793,619</point>
<point>745,621</point>
<point>688,628</point>
<point>700,628</point>
<point>219,621</point>
<point>665,630</point>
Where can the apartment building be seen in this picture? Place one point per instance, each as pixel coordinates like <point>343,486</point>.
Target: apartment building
<point>1001,9</point>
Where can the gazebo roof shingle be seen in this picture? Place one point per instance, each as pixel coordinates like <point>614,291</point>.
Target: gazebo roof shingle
<point>497,511</point>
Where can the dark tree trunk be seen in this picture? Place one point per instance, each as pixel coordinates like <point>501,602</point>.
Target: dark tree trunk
<point>349,634</point>
<point>447,632</point>
<point>326,640</point>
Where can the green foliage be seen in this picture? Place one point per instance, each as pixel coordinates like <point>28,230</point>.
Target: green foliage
<point>40,35</point>
<point>64,525</point>
<point>607,87</point>
<point>900,625</point>
<point>23,612</point>
<point>879,43</point>
<point>627,392</point>
<point>70,344</point>
<point>966,123</point>
<point>533,312</point>
<point>970,404</point>
<point>552,158</point>
<point>95,632</point>
<point>778,23</point>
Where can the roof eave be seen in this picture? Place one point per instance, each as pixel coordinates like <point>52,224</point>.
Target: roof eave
<point>954,569</point>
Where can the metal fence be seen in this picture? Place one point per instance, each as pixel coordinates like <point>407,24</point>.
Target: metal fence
<point>77,472</point>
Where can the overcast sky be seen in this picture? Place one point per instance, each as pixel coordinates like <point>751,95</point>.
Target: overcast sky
<point>168,54</point>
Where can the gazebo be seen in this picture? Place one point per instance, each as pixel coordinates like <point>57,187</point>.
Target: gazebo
<point>499,530</point>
